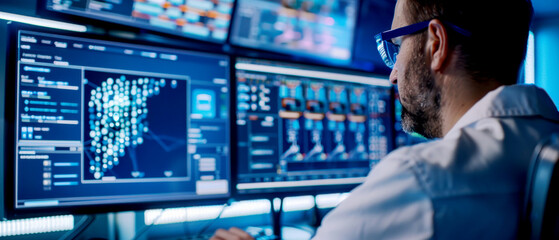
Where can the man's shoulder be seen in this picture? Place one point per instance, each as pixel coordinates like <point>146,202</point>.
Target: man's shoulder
<point>488,156</point>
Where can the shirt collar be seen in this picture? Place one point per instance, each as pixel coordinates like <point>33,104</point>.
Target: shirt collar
<point>510,101</point>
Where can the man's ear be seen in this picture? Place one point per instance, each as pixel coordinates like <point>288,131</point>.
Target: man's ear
<point>437,44</point>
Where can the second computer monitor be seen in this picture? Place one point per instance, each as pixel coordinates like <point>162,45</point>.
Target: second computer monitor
<point>302,128</point>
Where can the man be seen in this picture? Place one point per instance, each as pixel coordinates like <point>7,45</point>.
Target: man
<point>457,63</point>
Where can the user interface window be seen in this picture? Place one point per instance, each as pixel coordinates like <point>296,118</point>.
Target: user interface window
<point>301,126</point>
<point>101,122</point>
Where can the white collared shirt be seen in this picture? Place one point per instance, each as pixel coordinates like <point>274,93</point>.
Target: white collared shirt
<point>467,185</point>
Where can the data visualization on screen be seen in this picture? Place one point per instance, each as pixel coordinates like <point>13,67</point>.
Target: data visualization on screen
<point>101,122</point>
<point>311,28</point>
<point>200,19</point>
<point>300,126</point>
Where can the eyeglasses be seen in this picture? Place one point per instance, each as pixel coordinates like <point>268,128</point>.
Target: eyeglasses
<point>388,42</point>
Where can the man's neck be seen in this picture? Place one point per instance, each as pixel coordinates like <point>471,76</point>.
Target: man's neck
<point>459,95</point>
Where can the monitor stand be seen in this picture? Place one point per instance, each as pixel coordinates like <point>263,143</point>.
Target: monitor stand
<point>316,216</point>
<point>278,229</point>
<point>276,216</point>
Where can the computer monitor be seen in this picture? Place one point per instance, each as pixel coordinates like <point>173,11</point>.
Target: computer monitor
<point>107,126</point>
<point>200,19</point>
<point>303,129</point>
<point>308,28</point>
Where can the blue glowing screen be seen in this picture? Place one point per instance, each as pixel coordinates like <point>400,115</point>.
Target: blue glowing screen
<point>101,122</point>
<point>301,126</point>
<point>200,19</point>
<point>312,28</point>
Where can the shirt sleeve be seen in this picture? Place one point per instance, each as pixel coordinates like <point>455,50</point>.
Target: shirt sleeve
<point>390,204</point>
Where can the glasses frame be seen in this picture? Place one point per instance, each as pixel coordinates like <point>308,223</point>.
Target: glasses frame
<point>388,50</point>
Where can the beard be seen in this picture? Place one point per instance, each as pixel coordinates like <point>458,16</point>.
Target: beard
<point>420,97</point>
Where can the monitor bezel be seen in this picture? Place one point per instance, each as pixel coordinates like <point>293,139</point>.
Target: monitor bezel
<point>293,191</point>
<point>11,212</point>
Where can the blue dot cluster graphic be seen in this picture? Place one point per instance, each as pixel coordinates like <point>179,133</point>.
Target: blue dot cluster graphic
<point>117,118</point>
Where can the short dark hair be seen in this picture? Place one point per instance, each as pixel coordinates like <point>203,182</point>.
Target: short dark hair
<point>500,28</point>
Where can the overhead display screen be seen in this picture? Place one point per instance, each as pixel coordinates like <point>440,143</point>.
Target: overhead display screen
<point>312,28</point>
<point>199,19</point>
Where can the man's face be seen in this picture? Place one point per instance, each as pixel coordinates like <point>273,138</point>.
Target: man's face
<point>419,94</point>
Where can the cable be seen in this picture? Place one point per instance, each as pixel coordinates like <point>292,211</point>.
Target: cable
<point>84,222</point>
<point>213,221</point>
<point>147,227</point>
